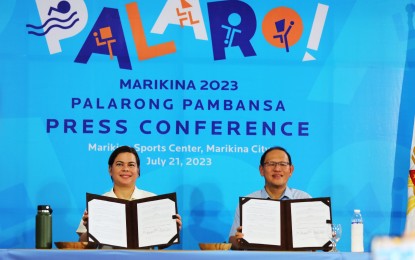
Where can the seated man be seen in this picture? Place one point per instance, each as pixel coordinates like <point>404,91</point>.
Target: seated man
<point>276,167</point>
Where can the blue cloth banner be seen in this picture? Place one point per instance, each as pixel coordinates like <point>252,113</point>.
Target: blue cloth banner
<point>201,89</point>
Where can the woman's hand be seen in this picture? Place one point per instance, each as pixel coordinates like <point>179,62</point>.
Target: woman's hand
<point>179,221</point>
<point>85,218</point>
<point>83,237</point>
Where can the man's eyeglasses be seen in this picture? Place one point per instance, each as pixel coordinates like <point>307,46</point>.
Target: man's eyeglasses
<point>275,164</point>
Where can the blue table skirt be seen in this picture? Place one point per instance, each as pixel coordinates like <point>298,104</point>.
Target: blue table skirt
<point>21,254</point>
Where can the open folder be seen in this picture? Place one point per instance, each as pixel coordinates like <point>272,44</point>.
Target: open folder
<point>287,225</point>
<point>142,223</point>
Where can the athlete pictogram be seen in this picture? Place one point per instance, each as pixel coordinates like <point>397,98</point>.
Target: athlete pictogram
<point>280,26</point>
<point>63,8</point>
<point>234,20</point>
<point>60,19</point>
<point>184,14</point>
<point>106,35</point>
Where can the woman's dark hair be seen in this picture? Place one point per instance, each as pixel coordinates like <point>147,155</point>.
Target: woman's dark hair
<point>123,149</point>
<point>272,149</point>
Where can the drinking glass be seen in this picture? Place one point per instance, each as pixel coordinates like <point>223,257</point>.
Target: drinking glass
<point>335,233</point>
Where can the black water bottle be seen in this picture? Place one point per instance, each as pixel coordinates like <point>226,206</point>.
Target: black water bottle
<point>44,227</point>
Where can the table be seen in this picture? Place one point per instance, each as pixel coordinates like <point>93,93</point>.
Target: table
<point>22,254</point>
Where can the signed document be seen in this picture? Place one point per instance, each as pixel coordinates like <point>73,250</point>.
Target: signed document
<point>107,221</point>
<point>309,225</point>
<point>261,222</point>
<point>143,223</point>
<point>155,223</point>
<point>286,224</point>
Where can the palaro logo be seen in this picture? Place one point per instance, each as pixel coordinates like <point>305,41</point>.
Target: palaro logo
<point>234,25</point>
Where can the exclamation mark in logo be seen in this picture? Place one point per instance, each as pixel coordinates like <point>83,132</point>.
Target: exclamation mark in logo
<point>316,30</point>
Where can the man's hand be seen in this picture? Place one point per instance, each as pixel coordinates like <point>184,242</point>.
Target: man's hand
<point>236,239</point>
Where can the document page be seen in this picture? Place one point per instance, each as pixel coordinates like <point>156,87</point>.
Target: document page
<point>309,226</point>
<point>261,222</point>
<point>107,222</point>
<point>156,224</point>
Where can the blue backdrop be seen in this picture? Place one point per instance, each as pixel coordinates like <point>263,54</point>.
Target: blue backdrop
<point>201,89</point>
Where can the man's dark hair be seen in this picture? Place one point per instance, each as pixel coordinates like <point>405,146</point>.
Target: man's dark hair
<point>272,149</point>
